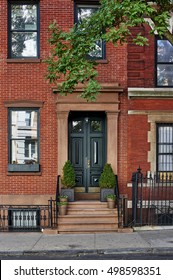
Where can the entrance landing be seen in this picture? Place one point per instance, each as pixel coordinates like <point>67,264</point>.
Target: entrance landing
<point>87,196</point>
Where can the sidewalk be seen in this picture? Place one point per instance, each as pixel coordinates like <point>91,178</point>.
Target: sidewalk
<point>142,241</point>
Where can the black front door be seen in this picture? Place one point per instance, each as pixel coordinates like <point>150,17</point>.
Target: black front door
<point>87,148</point>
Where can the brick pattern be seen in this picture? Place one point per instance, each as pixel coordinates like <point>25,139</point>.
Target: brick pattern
<point>26,81</point>
<point>140,66</point>
<point>128,65</point>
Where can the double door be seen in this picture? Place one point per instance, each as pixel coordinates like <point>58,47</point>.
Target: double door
<point>87,148</point>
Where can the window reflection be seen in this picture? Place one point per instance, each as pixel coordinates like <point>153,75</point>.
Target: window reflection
<point>24,44</point>
<point>83,13</point>
<point>96,126</point>
<point>24,137</point>
<point>164,63</point>
<point>77,126</point>
<point>23,30</point>
<point>24,17</point>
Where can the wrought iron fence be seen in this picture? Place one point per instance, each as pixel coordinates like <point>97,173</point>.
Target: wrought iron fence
<point>152,198</point>
<point>28,217</point>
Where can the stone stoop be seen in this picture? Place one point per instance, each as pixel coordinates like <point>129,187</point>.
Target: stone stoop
<point>88,217</point>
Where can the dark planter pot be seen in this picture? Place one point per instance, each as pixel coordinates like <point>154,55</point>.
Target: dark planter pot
<point>69,193</point>
<point>104,193</point>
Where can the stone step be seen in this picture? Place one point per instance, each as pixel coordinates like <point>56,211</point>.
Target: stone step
<point>87,204</point>
<point>91,211</point>
<point>86,231</point>
<point>87,225</point>
<point>87,219</point>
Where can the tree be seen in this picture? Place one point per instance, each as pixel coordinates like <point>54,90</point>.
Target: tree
<point>112,22</point>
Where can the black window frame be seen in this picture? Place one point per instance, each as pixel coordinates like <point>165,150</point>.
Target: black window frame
<point>160,63</point>
<point>163,153</point>
<point>10,31</point>
<point>89,4</point>
<point>28,166</point>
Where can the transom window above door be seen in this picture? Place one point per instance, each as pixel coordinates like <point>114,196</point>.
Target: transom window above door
<point>23,29</point>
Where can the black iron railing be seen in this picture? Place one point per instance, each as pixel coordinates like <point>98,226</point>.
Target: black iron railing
<point>152,198</point>
<point>28,217</point>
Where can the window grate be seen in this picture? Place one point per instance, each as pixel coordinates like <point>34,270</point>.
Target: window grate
<point>23,219</point>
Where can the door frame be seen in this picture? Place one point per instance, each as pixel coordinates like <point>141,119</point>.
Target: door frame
<point>107,101</point>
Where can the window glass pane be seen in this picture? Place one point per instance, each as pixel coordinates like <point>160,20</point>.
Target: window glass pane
<point>165,134</point>
<point>24,124</point>
<point>24,44</point>
<point>165,149</point>
<point>164,51</point>
<point>96,126</point>
<point>23,17</point>
<point>24,152</point>
<point>97,49</point>
<point>77,126</point>
<point>85,12</point>
<point>164,75</point>
<point>165,163</point>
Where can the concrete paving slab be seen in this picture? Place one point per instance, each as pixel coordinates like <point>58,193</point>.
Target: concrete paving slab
<point>65,242</point>
<point>120,240</point>
<point>18,241</point>
<point>159,241</point>
<point>159,238</point>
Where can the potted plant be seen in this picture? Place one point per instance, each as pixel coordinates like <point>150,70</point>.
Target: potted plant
<point>62,208</point>
<point>107,182</point>
<point>68,180</point>
<point>111,199</point>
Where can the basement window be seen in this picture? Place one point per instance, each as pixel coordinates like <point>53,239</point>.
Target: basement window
<point>23,219</point>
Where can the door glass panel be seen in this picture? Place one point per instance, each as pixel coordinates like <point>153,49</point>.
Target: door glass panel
<point>96,126</point>
<point>95,152</point>
<point>77,126</point>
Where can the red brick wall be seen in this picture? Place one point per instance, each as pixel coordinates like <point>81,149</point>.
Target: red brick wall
<point>23,81</point>
<point>138,145</point>
<point>140,66</point>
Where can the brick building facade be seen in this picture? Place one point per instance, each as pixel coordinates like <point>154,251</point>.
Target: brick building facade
<point>131,102</point>
<point>23,86</point>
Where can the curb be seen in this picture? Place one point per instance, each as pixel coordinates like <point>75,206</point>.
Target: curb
<point>120,251</point>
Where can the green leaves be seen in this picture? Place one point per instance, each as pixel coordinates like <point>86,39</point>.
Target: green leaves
<point>68,63</point>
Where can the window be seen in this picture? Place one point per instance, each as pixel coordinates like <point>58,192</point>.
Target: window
<point>165,147</point>
<point>164,60</point>
<point>23,140</point>
<point>23,29</point>
<point>84,11</point>
<point>23,219</point>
